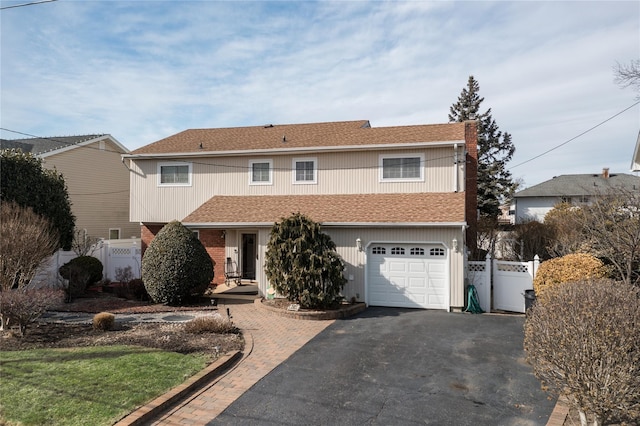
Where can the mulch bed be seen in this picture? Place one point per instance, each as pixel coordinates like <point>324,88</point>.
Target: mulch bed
<point>165,336</point>
<point>94,302</point>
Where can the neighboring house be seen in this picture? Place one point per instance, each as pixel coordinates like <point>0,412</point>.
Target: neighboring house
<point>397,201</point>
<point>96,178</point>
<point>535,202</point>
<point>635,162</point>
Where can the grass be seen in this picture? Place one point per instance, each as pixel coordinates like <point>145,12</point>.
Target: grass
<point>86,386</point>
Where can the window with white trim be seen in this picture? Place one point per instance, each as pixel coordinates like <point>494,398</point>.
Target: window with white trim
<point>416,251</point>
<point>260,172</point>
<point>305,170</point>
<point>174,174</point>
<point>402,168</point>
<point>114,233</point>
<point>397,250</point>
<point>379,250</point>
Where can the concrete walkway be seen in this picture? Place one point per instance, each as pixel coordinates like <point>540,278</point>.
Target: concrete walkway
<point>270,339</point>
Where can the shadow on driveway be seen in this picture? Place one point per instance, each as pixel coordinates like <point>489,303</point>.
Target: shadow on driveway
<point>391,366</point>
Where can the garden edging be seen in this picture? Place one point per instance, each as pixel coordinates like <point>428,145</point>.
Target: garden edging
<point>152,409</point>
<point>342,312</point>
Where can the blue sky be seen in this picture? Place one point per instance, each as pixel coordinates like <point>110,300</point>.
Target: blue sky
<point>144,70</point>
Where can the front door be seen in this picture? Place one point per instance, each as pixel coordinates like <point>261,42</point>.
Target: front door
<point>249,255</point>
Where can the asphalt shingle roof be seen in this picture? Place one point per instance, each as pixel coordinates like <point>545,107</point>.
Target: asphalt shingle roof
<point>338,134</point>
<point>344,208</point>
<point>38,146</point>
<point>580,185</point>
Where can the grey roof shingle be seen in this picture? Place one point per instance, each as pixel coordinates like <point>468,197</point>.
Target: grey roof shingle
<point>580,185</point>
<point>38,146</point>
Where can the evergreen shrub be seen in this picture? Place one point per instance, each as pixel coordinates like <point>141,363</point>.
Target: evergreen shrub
<point>302,263</point>
<point>176,267</point>
<point>91,265</point>
<point>569,268</point>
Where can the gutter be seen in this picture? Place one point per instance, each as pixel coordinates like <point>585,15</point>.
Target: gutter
<point>224,225</point>
<point>314,149</point>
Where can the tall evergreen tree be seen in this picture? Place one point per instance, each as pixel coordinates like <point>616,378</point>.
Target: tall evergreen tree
<point>495,150</point>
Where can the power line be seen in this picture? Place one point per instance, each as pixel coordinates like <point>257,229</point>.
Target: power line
<point>575,137</point>
<point>33,3</point>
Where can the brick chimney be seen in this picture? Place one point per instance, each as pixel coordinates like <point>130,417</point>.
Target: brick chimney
<point>471,182</point>
<point>605,173</point>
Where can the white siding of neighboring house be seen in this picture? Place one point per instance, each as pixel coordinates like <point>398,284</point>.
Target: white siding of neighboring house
<point>338,173</point>
<point>98,186</point>
<point>533,208</point>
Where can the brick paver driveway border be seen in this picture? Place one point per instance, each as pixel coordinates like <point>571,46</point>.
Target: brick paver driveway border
<point>269,340</point>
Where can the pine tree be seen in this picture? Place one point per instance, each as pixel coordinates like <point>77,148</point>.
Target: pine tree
<point>495,149</point>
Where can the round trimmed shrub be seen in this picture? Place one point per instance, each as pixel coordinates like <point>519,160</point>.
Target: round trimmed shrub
<point>104,321</point>
<point>176,267</point>
<point>89,264</point>
<point>565,269</point>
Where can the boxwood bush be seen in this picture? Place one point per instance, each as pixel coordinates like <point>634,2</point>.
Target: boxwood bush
<point>176,267</point>
<point>87,264</point>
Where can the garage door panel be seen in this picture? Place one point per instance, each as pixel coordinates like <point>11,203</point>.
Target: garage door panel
<point>408,277</point>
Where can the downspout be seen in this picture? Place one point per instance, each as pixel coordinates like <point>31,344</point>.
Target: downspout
<point>455,167</point>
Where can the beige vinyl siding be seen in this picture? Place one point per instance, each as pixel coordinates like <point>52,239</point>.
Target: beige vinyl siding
<point>98,185</point>
<point>338,173</point>
<point>355,261</point>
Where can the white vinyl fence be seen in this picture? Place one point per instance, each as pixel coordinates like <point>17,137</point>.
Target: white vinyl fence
<point>509,280</point>
<point>113,254</point>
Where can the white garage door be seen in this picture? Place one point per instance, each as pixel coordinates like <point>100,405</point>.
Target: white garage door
<point>408,276</point>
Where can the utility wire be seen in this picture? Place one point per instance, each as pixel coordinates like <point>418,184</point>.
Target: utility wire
<point>227,166</point>
<point>33,3</point>
<point>575,137</point>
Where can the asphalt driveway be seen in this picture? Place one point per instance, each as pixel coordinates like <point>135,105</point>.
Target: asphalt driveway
<point>391,366</point>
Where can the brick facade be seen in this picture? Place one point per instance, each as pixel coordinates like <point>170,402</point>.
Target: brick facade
<point>211,239</point>
<point>471,183</point>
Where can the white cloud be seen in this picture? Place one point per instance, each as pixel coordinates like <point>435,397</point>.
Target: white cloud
<point>144,70</point>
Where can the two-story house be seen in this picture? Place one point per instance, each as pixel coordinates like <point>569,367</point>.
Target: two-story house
<point>96,178</point>
<point>398,202</point>
<point>535,202</point>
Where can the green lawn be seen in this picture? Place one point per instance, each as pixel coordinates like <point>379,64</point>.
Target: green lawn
<point>86,386</point>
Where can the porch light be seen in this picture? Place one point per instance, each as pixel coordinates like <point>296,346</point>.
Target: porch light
<point>359,244</point>
<point>454,244</point>
<point>224,234</point>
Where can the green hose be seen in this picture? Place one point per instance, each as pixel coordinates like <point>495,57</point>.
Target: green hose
<point>473,305</point>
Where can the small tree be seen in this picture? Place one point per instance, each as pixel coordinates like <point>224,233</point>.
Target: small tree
<point>628,75</point>
<point>611,225</point>
<point>22,306</point>
<point>565,223</point>
<point>176,266</point>
<point>302,264</point>
<point>24,179</point>
<point>26,239</point>
<point>583,342</point>
<point>83,244</point>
